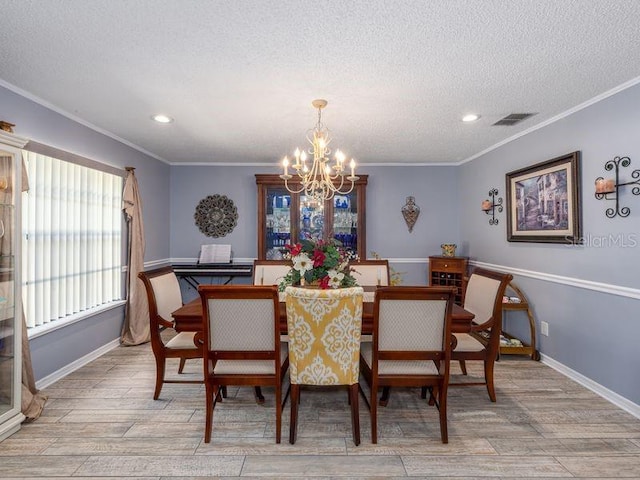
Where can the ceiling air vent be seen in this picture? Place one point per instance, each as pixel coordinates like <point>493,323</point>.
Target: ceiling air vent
<point>513,118</point>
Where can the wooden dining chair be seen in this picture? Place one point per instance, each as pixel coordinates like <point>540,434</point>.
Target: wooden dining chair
<point>241,330</point>
<point>164,297</point>
<point>411,345</point>
<point>270,272</point>
<point>324,344</point>
<point>371,272</point>
<point>483,298</point>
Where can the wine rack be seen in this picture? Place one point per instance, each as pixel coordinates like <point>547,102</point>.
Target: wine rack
<point>449,272</point>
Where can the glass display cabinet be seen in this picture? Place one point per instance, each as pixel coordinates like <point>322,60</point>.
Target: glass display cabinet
<point>285,217</point>
<point>10,310</point>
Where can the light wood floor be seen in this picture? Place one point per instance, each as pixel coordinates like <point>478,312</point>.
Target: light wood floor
<point>101,421</point>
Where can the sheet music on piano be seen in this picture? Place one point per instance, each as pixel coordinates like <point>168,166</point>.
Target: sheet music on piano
<point>214,254</point>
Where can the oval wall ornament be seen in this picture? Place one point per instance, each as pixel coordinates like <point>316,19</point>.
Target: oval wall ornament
<point>216,216</point>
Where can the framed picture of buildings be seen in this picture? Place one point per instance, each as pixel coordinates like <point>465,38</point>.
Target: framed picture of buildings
<point>543,202</point>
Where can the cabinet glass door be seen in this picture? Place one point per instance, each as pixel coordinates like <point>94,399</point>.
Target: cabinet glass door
<point>278,221</point>
<point>284,217</point>
<point>312,219</point>
<point>345,220</point>
<point>8,338</point>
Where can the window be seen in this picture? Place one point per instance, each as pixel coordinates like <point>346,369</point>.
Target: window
<point>71,238</point>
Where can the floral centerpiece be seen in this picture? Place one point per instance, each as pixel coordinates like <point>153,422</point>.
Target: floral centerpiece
<point>320,262</point>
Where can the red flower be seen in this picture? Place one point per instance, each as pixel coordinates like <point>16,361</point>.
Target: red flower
<point>324,282</point>
<point>318,258</point>
<point>294,249</point>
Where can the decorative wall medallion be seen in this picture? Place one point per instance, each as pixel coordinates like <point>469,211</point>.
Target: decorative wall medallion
<point>216,216</point>
<point>410,212</point>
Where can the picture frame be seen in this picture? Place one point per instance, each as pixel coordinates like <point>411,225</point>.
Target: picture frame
<point>543,202</point>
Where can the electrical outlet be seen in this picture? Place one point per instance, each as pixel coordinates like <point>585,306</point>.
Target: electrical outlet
<point>544,329</point>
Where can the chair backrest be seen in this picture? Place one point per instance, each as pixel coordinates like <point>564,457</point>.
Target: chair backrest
<point>324,328</point>
<point>412,323</point>
<point>163,297</point>
<point>240,322</point>
<point>270,272</point>
<point>483,297</point>
<point>371,272</point>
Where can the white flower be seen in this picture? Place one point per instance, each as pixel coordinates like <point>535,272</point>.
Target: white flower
<point>335,278</point>
<point>302,263</point>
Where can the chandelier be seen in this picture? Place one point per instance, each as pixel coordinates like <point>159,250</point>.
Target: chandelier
<point>322,179</point>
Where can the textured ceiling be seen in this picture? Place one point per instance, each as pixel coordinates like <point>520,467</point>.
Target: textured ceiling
<point>239,76</point>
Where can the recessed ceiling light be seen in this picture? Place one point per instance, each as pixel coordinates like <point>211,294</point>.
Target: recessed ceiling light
<point>472,117</point>
<point>161,118</point>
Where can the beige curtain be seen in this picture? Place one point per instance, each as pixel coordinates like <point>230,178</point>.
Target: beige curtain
<point>136,322</point>
<point>32,400</point>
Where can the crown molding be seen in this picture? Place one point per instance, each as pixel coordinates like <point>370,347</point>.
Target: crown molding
<point>12,139</point>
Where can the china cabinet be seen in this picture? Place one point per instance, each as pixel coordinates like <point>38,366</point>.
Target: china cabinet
<point>449,272</point>
<point>10,316</point>
<point>285,217</point>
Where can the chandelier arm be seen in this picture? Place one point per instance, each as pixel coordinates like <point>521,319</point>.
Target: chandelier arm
<point>289,189</point>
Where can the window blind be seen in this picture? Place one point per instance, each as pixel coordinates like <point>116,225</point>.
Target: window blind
<point>72,238</point>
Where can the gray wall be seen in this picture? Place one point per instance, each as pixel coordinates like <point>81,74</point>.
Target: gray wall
<point>55,350</point>
<point>387,232</point>
<point>590,331</point>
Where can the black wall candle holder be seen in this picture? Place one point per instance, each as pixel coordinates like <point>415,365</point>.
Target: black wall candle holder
<point>605,187</point>
<point>490,206</point>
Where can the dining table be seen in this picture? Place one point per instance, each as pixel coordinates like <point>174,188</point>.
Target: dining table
<point>188,318</point>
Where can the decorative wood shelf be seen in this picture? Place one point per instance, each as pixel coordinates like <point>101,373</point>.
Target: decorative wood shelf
<point>522,305</point>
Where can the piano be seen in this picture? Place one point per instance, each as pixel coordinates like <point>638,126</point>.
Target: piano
<point>191,271</point>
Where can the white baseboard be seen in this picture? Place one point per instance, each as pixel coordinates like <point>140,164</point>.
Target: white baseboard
<point>75,365</point>
<point>618,400</point>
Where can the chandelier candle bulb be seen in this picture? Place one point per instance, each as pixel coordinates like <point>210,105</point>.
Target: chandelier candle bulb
<point>353,167</point>
<point>285,163</point>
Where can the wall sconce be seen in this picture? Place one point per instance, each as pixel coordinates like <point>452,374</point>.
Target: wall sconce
<point>606,186</point>
<point>490,206</point>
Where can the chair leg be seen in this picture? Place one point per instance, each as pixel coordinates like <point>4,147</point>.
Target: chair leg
<point>259,396</point>
<point>278,412</point>
<point>374,412</point>
<point>488,377</point>
<point>435,391</point>
<point>355,413</point>
<point>224,391</point>
<point>463,367</point>
<point>295,401</point>
<point>211,390</point>
<point>160,362</point>
<point>442,407</point>
<point>432,393</point>
<point>182,363</point>
<point>384,398</point>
